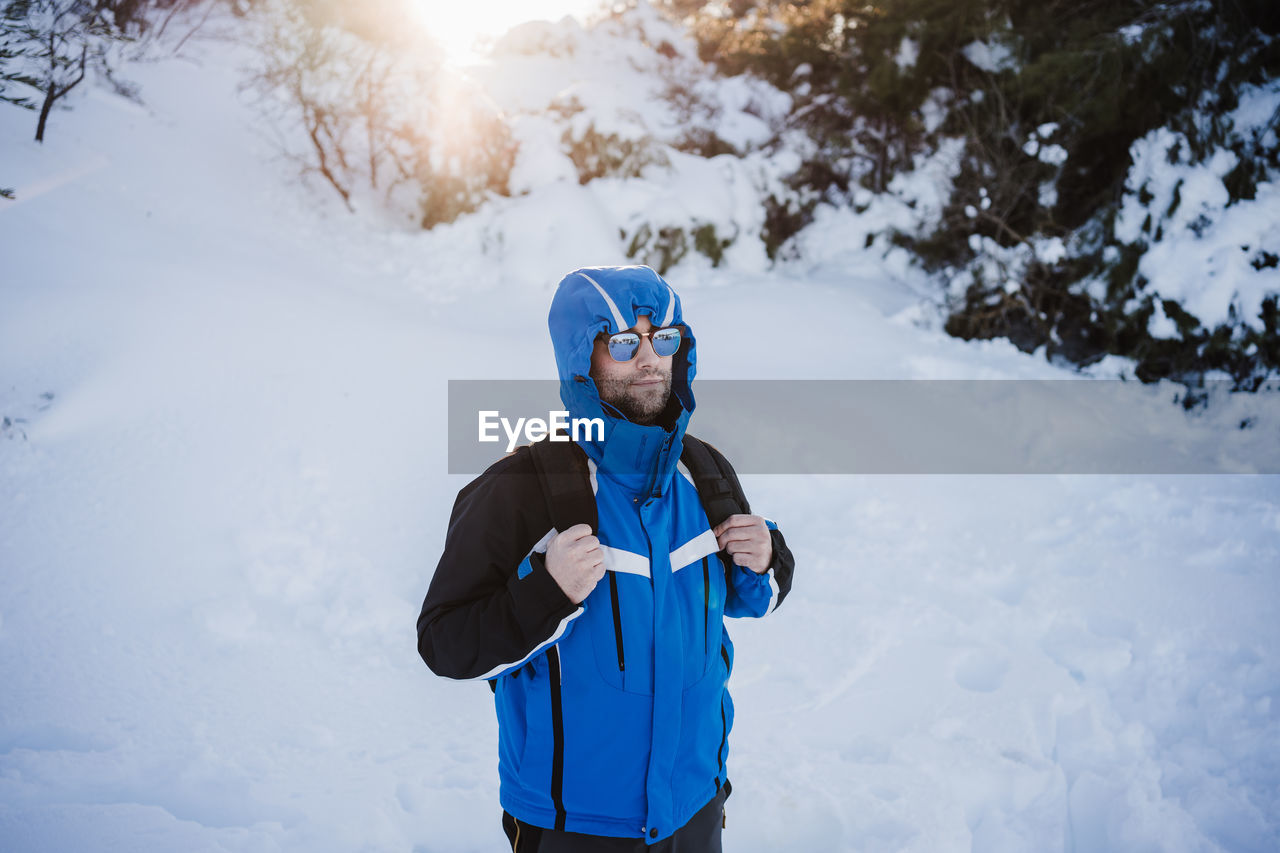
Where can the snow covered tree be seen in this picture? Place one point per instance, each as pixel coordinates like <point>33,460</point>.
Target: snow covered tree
<point>49,47</point>
<point>1044,112</point>
<point>49,44</point>
<point>13,88</point>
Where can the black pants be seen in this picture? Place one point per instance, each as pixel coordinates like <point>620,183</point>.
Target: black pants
<point>700,835</point>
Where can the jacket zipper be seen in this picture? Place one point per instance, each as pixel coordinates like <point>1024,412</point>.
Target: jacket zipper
<point>724,723</point>
<point>706,608</point>
<point>651,489</point>
<point>617,619</point>
<point>557,738</point>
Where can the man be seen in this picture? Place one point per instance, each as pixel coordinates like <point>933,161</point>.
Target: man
<point>606,647</point>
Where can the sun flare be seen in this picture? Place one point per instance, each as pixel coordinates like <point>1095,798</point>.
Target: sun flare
<point>462,29</point>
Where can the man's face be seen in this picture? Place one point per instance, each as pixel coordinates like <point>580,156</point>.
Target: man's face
<point>638,388</point>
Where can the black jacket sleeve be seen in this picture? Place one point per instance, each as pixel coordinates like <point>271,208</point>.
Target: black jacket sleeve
<point>492,604</point>
<point>783,565</point>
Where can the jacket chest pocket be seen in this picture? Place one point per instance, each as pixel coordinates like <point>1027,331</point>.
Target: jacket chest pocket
<point>701,585</point>
<point>620,617</point>
<point>620,614</point>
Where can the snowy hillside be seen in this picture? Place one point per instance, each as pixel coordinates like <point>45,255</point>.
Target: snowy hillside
<point>223,491</point>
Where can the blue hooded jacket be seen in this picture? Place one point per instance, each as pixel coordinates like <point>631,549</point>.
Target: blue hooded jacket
<point>614,714</point>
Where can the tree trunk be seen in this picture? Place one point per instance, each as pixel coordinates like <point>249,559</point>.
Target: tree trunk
<point>50,95</point>
<point>53,92</point>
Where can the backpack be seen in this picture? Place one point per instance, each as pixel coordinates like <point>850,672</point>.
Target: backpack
<point>565,480</point>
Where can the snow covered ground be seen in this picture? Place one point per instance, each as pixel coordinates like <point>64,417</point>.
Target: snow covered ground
<point>223,492</point>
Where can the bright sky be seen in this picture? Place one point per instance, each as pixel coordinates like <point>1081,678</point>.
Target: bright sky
<point>457,23</point>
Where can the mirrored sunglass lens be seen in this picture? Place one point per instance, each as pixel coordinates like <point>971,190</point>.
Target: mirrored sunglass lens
<point>666,342</point>
<point>623,346</point>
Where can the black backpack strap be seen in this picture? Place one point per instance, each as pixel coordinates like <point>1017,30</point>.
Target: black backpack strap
<point>718,487</point>
<point>566,483</point>
<point>722,496</point>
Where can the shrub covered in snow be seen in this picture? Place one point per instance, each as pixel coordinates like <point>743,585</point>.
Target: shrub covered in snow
<point>678,155</point>
<point>1113,189</point>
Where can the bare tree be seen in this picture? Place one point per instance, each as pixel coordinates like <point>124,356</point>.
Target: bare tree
<point>367,109</point>
<point>307,77</point>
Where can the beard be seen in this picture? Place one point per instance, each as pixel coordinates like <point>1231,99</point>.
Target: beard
<point>640,404</point>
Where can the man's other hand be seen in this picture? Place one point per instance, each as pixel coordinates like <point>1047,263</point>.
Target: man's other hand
<point>746,539</point>
<point>575,561</point>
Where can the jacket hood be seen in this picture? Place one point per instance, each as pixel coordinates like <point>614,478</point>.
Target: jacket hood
<point>592,300</point>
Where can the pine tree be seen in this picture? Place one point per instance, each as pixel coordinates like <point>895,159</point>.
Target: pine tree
<point>48,47</point>
<point>15,83</point>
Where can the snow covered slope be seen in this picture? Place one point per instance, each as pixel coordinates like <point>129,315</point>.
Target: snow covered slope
<point>223,491</point>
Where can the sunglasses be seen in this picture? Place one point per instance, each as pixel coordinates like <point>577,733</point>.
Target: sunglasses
<point>624,345</point>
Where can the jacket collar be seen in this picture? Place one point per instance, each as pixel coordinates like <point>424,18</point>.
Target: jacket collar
<point>642,459</point>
